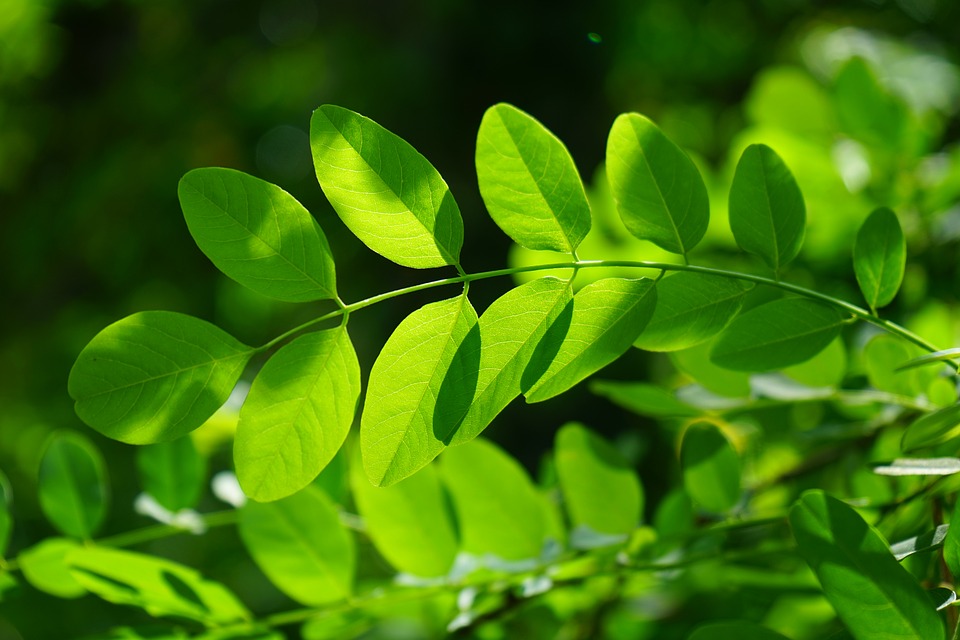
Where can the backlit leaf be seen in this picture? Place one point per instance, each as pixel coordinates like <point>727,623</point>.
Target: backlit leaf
<point>297,414</point>
<point>696,363</point>
<point>388,194</point>
<point>931,429</point>
<point>155,376</point>
<point>44,565</point>
<point>529,182</point>
<point>711,467</point>
<point>257,234</point>
<point>73,485</point>
<point>174,472</point>
<point>880,257</point>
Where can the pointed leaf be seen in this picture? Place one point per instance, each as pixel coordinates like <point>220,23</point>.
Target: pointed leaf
<point>297,414</point>
<point>607,316</point>
<point>874,596</point>
<point>657,189</point>
<point>44,565</point>
<point>918,544</point>
<point>299,543</point>
<point>160,587</point>
<point>644,399</point>
<point>73,485</point>
<point>388,194</point>
<point>880,257</point>
<point>776,335</point>
<point>919,467</point>
<point>937,356</point>
<point>691,308</point>
<point>932,429</point>
<point>767,213</point>
<point>174,473</point>
<point>155,376</point>
<point>741,630</point>
<point>419,390</point>
<point>711,467</point>
<point>529,182</point>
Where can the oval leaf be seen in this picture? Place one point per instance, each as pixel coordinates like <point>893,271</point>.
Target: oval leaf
<point>299,543</point>
<point>932,429</point>
<point>257,234</point>
<point>606,317</point>
<point>419,390</point>
<point>297,414</point>
<point>873,595</point>
<point>711,467</point>
<point>767,213</point>
<point>73,485</point>
<point>388,194</point>
<point>44,565</point>
<point>657,189</point>
<point>919,467</point>
<point>691,308</point>
<point>174,473</point>
<point>644,399</point>
<point>880,257</point>
<point>155,376</point>
<point>529,182</point>
<point>776,335</point>
<point>741,630</point>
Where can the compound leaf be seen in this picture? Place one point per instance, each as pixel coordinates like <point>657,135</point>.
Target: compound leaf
<point>657,189</point>
<point>529,182</point>
<point>873,595</point>
<point>73,485</point>
<point>388,194</point>
<point>44,565</point>
<point>155,376</point>
<point>174,472</point>
<point>297,414</point>
<point>711,467</point>
<point>880,257</point>
<point>257,234</point>
<point>300,544</point>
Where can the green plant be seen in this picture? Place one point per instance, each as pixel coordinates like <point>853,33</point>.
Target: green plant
<point>471,541</point>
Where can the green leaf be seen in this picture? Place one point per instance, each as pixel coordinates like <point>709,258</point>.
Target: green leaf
<point>388,194</point>
<point>529,182</point>
<point>607,316</point>
<point>776,335</point>
<point>696,363</point>
<point>258,234</point>
<point>158,586</point>
<point>918,544</point>
<point>174,473</point>
<point>6,518</point>
<point>155,376</point>
<point>409,522</point>
<point>740,630</point>
<point>73,485</point>
<point>711,467</point>
<point>691,308</point>
<point>951,541</point>
<point>299,543</point>
<point>932,429</point>
<point>945,355</point>
<point>873,595</point>
<point>600,489</point>
<point>657,189</point>
<point>419,390</point>
<point>767,213</point>
<point>866,109</point>
<point>919,467</point>
<point>826,369</point>
<point>880,257</point>
<point>142,632</point>
<point>881,355</point>
<point>297,414</point>
<point>942,597</point>
<point>644,399</point>
<point>498,508</point>
<point>44,565</point>
<point>515,348</point>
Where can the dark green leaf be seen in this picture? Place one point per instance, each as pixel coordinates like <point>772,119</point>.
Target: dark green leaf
<point>6,517</point>
<point>711,467</point>
<point>644,399</point>
<point>931,429</point>
<point>918,544</point>
<point>155,376</point>
<point>44,565</point>
<point>941,597</point>
<point>919,467</point>
<point>880,257</point>
<point>388,194</point>
<point>258,234</point>
<point>739,630</point>
<point>174,473</point>
<point>73,485</point>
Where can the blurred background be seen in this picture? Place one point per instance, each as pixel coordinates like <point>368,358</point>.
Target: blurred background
<point>104,104</point>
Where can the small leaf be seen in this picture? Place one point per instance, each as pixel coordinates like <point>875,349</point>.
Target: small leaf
<point>873,595</point>
<point>657,189</point>
<point>297,414</point>
<point>174,473</point>
<point>498,508</point>
<point>937,356</point>
<point>6,518</point>
<point>600,489</point>
<point>880,257</point>
<point>155,376</point>
<point>529,182</point>
<point>73,485</point>
<point>918,544</point>
<point>644,399</point>
<point>299,543</point>
<point>257,234</point>
<point>419,390</point>
<point>741,630</point>
<point>388,194</point>
<point>932,429</point>
<point>941,597</point>
<point>44,565</point>
<point>767,213</point>
<point>711,467</point>
<point>951,541</point>
<point>158,586</point>
<point>919,467</point>
<point>691,308</point>
<point>607,316</point>
<point>409,522</point>
<point>776,335</point>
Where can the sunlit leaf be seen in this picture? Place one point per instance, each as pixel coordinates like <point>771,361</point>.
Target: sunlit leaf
<point>257,234</point>
<point>299,543</point>
<point>388,194</point>
<point>919,467</point>
<point>73,485</point>
<point>174,472</point>
<point>155,376</point>
<point>607,316</point>
<point>657,189</point>
<point>529,182</point>
<point>696,363</point>
<point>44,565</point>
<point>643,399</point>
<point>880,257</point>
<point>741,630</point>
<point>711,467</point>
<point>931,429</point>
<point>297,414</point>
